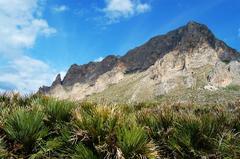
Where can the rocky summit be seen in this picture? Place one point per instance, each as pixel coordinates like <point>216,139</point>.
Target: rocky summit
<point>188,59</point>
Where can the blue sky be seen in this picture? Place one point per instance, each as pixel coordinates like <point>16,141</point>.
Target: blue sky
<point>40,38</point>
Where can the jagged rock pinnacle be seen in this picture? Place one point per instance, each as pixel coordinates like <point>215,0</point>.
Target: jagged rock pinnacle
<point>57,81</point>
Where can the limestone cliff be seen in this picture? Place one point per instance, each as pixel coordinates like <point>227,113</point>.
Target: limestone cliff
<point>188,57</point>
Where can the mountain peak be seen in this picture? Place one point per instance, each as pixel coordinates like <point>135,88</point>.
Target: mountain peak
<point>57,81</point>
<point>195,24</point>
<point>193,27</point>
<point>183,40</point>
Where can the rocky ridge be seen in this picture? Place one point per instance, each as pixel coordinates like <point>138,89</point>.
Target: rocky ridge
<point>188,57</point>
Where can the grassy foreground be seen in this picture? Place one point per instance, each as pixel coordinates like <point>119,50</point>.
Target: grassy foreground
<point>39,127</point>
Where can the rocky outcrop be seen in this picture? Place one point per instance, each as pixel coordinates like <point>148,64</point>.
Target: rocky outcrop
<point>183,39</point>
<point>90,72</point>
<point>190,56</point>
<point>87,73</point>
<point>81,90</point>
<point>224,74</point>
<point>56,82</point>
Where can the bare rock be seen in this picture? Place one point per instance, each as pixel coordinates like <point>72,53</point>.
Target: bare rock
<point>186,58</point>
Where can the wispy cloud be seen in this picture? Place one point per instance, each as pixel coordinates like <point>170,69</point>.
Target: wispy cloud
<point>98,59</point>
<point>118,9</point>
<point>21,25</point>
<point>239,32</point>
<point>25,74</point>
<point>60,8</point>
<point>142,8</point>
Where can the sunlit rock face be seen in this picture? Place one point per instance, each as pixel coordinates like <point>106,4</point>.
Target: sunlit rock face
<point>187,57</point>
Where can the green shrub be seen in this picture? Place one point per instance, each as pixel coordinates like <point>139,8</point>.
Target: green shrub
<point>156,121</point>
<point>82,152</point>
<point>232,88</point>
<point>41,127</point>
<point>228,145</point>
<point>58,110</point>
<point>25,127</point>
<point>3,151</point>
<point>193,136</point>
<point>47,148</point>
<point>99,122</point>
<point>134,143</point>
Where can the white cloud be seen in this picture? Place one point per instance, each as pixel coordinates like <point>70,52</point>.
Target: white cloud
<point>98,59</point>
<point>61,8</point>
<point>20,25</point>
<point>117,9</point>
<point>26,74</point>
<point>141,8</point>
<point>239,32</point>
<point>63,73</point>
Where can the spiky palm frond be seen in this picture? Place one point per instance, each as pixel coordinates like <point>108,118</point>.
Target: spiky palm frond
<point>96,124</point>
<point>58,111</point>
<point>25,127</point>
<point>228,144</point>
<point>116,131</point>
<point>193,136</point>
<point>47,149</point>
<point>82,152</point>
<point>134,143</point>
<point>156,121</point>
<point>99,122</point>
<point>3,151</point>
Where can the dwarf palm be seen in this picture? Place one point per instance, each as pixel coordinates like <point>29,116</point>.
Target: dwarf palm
<point>134,143</point>
<point>98,121</point>
<point>82,152</point>
<point>48,148</point>
<point>228,144</point>
<point>57,110</point>
<point>25,127</point>
<point>193,136</point>
<point>3,152</point>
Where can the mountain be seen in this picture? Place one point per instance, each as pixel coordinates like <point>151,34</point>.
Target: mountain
<point>186,59</point>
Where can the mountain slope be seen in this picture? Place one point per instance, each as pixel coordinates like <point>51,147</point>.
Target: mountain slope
<point>187,58</point>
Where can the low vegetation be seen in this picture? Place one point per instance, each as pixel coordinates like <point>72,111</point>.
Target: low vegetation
<point>38,127</point>
<point>233,88</point>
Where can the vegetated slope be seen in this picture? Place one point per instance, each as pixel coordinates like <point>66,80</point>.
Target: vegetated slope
<point>188,58</point>
<point>41,127</point>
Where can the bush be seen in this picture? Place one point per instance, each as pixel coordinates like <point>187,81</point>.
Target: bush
<point>58,111</point>
<point>232,88</point>
<point>99,122</point>
<point>229,145</point>
<point>42,127</point>
<point>134,142</point>
<point>25,127</point>
<point>82,152</point>
<point>193,136</point>
<point>47,148</point>
<point>3,151</point>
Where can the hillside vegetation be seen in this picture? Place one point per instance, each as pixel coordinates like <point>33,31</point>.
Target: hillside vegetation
<point>39,127</point>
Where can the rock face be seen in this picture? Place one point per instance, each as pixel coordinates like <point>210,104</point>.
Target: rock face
<point>89,72</point>
<point>58,81</point>
<point>190,56</point>
<point>184,39</point>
